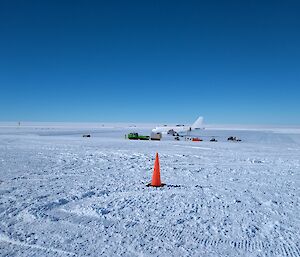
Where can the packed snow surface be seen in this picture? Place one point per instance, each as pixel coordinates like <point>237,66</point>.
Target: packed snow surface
<point>65,195</point>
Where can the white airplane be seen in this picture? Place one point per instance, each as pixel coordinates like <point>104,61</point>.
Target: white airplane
<point>198,124</point>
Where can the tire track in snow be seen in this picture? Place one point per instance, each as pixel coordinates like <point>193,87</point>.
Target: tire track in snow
<point>246,245</point>
<point>281,248</point>
<point>8,240</point>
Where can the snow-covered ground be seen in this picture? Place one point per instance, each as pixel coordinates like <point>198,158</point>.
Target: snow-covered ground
<point>65,195</point>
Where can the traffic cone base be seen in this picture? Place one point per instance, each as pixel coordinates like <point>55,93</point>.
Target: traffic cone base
<point>161,185</point>
<point>156,182</point>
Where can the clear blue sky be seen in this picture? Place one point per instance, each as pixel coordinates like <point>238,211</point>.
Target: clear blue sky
<point>230,61</point>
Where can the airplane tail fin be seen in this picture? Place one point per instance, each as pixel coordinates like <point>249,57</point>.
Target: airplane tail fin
<point>198,124</point>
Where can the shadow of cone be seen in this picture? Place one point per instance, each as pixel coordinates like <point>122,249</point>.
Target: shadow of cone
<point>156,182</point>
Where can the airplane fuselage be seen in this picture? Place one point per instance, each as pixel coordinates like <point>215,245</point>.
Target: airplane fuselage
<point>177,129</point>
<point>198,124</point>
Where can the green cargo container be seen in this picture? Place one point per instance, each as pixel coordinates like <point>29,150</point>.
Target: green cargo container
<point>136,136</point>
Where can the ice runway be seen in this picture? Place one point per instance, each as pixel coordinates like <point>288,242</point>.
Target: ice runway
<point>64,195</point>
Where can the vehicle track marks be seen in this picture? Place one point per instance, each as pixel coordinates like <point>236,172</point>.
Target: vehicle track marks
<point>8,240</point>
<point>251,246</point>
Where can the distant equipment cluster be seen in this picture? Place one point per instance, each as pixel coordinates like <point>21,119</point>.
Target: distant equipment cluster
<point>177,132</point>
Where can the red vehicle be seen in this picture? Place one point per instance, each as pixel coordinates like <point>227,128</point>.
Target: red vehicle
<point>196,139</point>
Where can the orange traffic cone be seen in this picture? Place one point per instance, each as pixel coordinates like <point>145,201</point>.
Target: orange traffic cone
<point>156,182</point>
